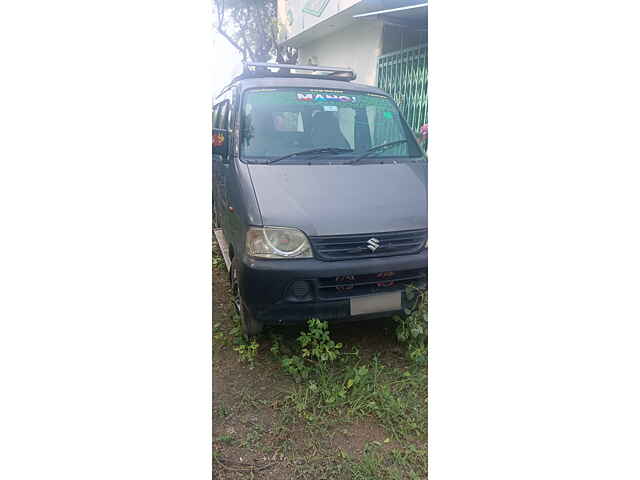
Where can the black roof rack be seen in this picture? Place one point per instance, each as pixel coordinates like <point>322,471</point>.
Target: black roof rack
<point>257,69</point>
<point>261,70</point>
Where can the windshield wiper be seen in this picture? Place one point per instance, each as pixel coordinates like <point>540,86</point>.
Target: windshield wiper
<point>375,149</point>
<point>331,150</point>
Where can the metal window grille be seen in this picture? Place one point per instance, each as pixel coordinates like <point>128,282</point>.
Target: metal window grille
<point>403,75</point>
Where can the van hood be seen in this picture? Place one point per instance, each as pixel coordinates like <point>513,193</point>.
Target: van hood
<point>342,199</point>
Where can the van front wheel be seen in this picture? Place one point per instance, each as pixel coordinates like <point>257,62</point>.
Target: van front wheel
<point>250,326</point>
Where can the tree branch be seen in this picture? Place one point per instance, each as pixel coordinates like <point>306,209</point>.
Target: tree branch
<point>251,28</point>
<point>244,28</point>
<point>220,9</point>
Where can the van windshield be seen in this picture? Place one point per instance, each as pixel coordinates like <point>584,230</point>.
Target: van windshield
<point>282,121</point>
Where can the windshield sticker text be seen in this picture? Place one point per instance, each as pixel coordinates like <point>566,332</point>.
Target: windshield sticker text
<point>310,97</point>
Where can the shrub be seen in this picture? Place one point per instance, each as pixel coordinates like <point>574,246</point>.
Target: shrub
<point>317,350</point>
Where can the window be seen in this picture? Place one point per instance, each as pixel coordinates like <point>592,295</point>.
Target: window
<point>221,115</point>
<point>347,120</point>
<point>280,121</point>
<point>224,116</point>
<point>288,121</point>
<point>383,127</point>
<point>214,116</point>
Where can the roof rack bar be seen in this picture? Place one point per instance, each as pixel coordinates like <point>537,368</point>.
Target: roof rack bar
<point>311,68</point>
<point>260,68</point>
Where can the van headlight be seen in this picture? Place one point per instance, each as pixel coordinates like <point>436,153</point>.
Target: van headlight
<point>277,242</point>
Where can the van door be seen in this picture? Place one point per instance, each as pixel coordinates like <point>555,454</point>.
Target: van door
<point>220,162</point>
<point>214,193</point>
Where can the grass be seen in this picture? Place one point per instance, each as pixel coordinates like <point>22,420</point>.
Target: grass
<point>333,397</point>
<point>395,397</point>
<point>393,465</point>
<point>374,464</point>
<point>333,388</point>
<point>228,439</point>
<point>332,383</point>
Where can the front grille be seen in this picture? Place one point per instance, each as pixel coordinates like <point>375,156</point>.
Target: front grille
<point>345,247</point>
<point>352,285</point>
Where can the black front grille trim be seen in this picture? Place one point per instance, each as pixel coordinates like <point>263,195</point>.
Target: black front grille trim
<point>345,247</point>
<point>345,286</point>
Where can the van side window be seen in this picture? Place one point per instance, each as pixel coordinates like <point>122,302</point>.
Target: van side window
<point>220,118</point>
<point>223,116</point>
<point>214,116</point>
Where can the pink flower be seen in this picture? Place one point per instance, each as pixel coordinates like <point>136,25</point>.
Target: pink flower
<point>424,130</point>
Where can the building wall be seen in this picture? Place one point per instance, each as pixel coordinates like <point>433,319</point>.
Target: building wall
<point>295,16</point>
<point>357,47</point>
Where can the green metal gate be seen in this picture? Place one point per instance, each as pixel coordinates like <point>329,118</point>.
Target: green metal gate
<point>403,75</point>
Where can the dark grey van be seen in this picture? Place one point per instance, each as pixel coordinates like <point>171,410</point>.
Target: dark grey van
<point>319,197</point>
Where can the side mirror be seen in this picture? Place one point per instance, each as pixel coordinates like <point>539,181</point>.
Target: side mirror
<point>220,142</point>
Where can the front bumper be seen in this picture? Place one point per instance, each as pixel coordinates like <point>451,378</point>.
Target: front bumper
<point>266,286</point>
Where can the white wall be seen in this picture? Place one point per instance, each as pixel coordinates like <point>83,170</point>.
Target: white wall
<point>357,47</point>
<point>292,15</point>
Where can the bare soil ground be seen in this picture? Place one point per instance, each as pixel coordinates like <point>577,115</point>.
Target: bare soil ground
<point>258,434</point>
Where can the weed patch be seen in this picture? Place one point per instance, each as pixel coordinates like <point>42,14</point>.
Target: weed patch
<point>247,350</point>
<point>411,328</point>
<point>332,384</point>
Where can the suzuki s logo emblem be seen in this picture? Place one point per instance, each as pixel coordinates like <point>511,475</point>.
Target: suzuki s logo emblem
<point>373,244</point>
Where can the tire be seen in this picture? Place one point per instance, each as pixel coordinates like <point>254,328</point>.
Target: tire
<point>250,326</point>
